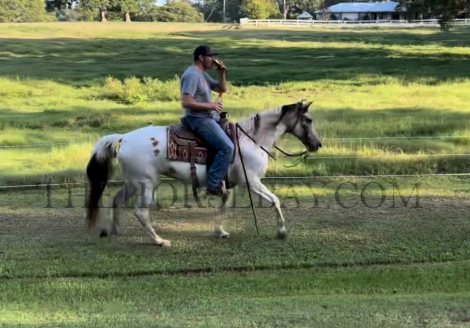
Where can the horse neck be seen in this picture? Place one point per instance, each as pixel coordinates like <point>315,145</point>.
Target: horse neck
<point>269,127</point>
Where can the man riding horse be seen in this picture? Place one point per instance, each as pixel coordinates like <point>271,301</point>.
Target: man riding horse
<point>200,113</point>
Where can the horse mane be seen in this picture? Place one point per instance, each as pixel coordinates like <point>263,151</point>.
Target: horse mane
<point>264,123</point>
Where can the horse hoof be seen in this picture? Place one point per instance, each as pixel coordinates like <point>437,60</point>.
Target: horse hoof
<point>116,231</point>
<point>282,234</point>
<point>164,244</point>
<point>221,235</point>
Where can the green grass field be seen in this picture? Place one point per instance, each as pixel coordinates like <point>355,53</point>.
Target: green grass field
<point>72,83</point>
<point>386,97</point>
<point>405,263</point>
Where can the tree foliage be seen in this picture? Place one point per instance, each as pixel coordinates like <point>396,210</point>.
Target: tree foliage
<point>444,10</point>
<point>213,10</point>
<point>18,11</point>
<point>88,8</point>
<point>259,9</point>
<point>127,7</point>
<point>207,10</point>
<point>53,5</point>
<point>177,11</point>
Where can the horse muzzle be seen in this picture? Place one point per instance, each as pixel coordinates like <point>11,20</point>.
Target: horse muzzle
<point>314,146</point>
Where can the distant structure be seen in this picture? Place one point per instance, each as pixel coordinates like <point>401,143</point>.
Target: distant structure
<point>305,15</point>
<point>379,10</point>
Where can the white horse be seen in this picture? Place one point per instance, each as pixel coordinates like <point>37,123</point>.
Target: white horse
<point>143,157</point>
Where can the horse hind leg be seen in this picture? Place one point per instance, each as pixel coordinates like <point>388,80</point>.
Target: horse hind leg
<point>142,212</point>
<point>121,198</point>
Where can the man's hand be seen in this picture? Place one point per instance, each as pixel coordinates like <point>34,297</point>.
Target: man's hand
<point>189,102</point>
<point>216,106</point>
<point>219,65</point>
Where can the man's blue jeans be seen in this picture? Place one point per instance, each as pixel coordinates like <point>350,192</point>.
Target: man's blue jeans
<point>213,134</point>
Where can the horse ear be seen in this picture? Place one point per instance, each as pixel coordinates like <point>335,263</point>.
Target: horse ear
<point>306,106</point>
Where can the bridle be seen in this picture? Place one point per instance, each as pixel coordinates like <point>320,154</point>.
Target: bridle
<point>304,125</point>
<point>300,118</point>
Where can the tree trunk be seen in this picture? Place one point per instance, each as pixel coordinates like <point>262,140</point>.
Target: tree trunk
<point>128,17</point>
<point>103,15</point>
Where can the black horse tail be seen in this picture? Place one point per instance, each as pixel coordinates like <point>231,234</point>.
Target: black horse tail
<point>98,171</point>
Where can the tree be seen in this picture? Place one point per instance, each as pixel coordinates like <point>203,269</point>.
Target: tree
<point>127,7</point>
<point>18,11</point>
<point>209,8</point>
<point>95,5</point>
<point>213,10</point>
<point>177,12</point>
<point>53,5</point>
<point>445,10</point>
<point>293,8</point>
<point>259,9</point>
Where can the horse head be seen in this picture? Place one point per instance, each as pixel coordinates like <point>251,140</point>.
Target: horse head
<point>298,121</point>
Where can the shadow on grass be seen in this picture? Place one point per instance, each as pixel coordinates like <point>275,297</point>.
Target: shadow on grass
<point>416,36</point>
<point>87,62</point>
<point>393,122</point>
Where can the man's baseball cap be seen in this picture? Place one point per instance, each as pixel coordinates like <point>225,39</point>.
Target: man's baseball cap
<point>203,51</point>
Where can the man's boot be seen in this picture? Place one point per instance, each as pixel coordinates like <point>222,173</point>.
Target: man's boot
<point>221,191</point>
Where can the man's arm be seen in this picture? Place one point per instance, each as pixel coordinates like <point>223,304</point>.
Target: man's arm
<point>221,85</point>
<point>188,90</point>
<point>187,101</point>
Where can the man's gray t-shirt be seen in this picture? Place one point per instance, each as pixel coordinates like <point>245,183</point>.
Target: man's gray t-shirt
<point>198,85</point>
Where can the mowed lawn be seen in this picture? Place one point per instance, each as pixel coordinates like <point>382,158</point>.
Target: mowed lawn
<point>358,256</point>
<point>350,261</point>
<point>386,98</point>
<point>334,222</point>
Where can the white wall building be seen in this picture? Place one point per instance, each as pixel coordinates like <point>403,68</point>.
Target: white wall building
<point>379,10</point>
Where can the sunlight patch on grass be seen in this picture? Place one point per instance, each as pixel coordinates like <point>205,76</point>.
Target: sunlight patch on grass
<point>44,160</point>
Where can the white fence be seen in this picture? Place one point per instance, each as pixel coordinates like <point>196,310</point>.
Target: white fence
<point>383,22</point>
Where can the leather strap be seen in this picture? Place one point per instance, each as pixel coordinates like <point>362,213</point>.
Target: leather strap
<point>192,157</point>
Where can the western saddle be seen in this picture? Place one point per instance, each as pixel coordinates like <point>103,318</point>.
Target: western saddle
<point>185,145</point>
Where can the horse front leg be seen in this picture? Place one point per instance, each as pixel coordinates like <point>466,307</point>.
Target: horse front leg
<point>260,189</point>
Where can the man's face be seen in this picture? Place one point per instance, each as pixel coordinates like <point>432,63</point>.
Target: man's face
<point>207,61</point>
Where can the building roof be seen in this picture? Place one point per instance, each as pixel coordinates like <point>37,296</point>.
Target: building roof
<point>361,7</point>
<point>305,15</point>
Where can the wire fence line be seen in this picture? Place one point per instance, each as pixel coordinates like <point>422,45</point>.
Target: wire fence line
<point>382,156</point>
<point>39,185</point>
<point>165,179</point>
<point>316,158</point>
<point>38,145</point>
<point>401,137</point>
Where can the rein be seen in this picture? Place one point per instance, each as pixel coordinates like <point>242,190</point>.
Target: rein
<point>300,154</point>
<point>246,177</point>
<point>297,154</point>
